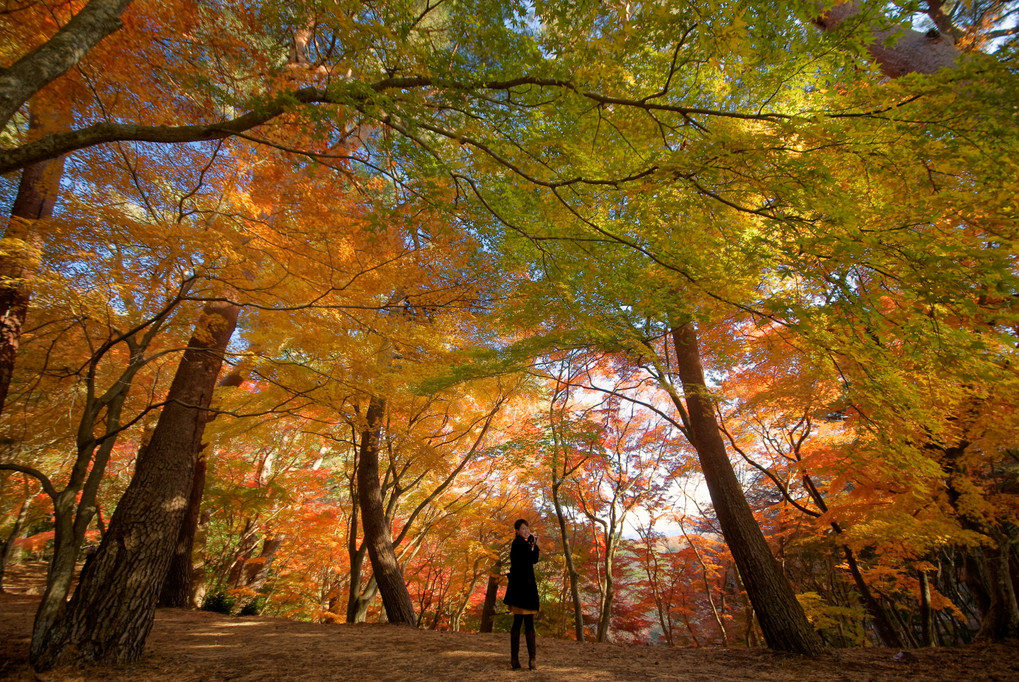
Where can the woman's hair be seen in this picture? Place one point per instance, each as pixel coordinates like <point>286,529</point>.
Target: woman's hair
<point>520,522</point>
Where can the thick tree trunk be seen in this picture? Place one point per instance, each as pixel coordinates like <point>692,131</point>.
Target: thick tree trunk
<point>112,610</point>
<point>21,246</point>
<point>178,589</point>
<point>1001,620</point>
<point>896,49</point>
<point>780,615</point>
<point>377,533</point>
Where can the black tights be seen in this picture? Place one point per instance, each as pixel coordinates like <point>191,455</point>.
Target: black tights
<point>526,619</point>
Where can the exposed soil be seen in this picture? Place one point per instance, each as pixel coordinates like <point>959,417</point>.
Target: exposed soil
<point>195,645</point>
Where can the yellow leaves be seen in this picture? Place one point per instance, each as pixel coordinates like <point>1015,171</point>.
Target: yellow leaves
<point>823,615</point>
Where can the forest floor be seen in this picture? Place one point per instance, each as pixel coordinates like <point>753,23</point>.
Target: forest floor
<point>197,645</point>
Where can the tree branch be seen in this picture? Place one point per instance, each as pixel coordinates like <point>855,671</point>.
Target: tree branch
<point>67,47</point>
<point>43,479</point>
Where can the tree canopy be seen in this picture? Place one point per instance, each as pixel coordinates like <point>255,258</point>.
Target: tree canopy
<point>723,293</point>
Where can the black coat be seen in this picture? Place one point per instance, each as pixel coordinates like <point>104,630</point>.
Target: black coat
<point>522,590</point>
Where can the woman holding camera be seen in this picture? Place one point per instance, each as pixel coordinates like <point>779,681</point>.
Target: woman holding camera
<point>522,591</point>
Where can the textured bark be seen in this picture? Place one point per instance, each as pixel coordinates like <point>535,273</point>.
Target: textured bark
<point>377,533</point>
<point>180,591</point>
<point>178,588</point>
<point>780,615</point>
<point>67,47</point>
<point>112,610</point>
<point>896,49</point>
<point>21,246</point>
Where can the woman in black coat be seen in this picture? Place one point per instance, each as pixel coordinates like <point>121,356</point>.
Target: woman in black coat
<point>522,591</point>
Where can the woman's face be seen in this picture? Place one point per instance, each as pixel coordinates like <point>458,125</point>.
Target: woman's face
<point>524,531</point>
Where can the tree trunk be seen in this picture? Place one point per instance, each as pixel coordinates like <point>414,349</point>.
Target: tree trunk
<point>927,632</point>
<point>178,589</point>
<point>257,572</point>
<point>608,594</point>
<point>1001,620</point>
<point>491,596</point>
<point>886,631</point>
<point>112,610</point>
<point>7,551</point>
<point>571,569</point>
<point>996,593</point>
<point>21,246</point>
<point>245,548</point>
<point>897,49</point>
<point>780,615</point>
<point>377,533</point>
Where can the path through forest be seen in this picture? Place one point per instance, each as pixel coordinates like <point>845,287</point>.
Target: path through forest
<point>196,645</point>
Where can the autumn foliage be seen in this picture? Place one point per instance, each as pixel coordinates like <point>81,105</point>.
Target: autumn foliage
<point>719,296</point>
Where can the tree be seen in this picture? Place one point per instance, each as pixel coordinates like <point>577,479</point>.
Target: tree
<point>113,607</point>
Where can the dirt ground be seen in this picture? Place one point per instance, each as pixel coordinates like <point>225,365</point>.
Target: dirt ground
<point>195,645</point>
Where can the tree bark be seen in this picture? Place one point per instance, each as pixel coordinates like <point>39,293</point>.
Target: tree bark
<point>7,551</point>
<point>22,244</point>
<point>112,610</point>
<point>491,596</point>
<point>897,49</point>
<point>1001,620</point>
<point>928,636</point>
<point>885,629</point>
<point>571,569</point>
<point>377,533</point>
<point>780,615</point>
<point>178,589</point>
<point>67,47</point>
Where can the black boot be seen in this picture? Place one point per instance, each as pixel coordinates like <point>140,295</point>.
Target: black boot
<point>515,649</point>
<point>531,646</point>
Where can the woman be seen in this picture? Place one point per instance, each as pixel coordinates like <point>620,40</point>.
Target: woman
<point>522,591</point>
